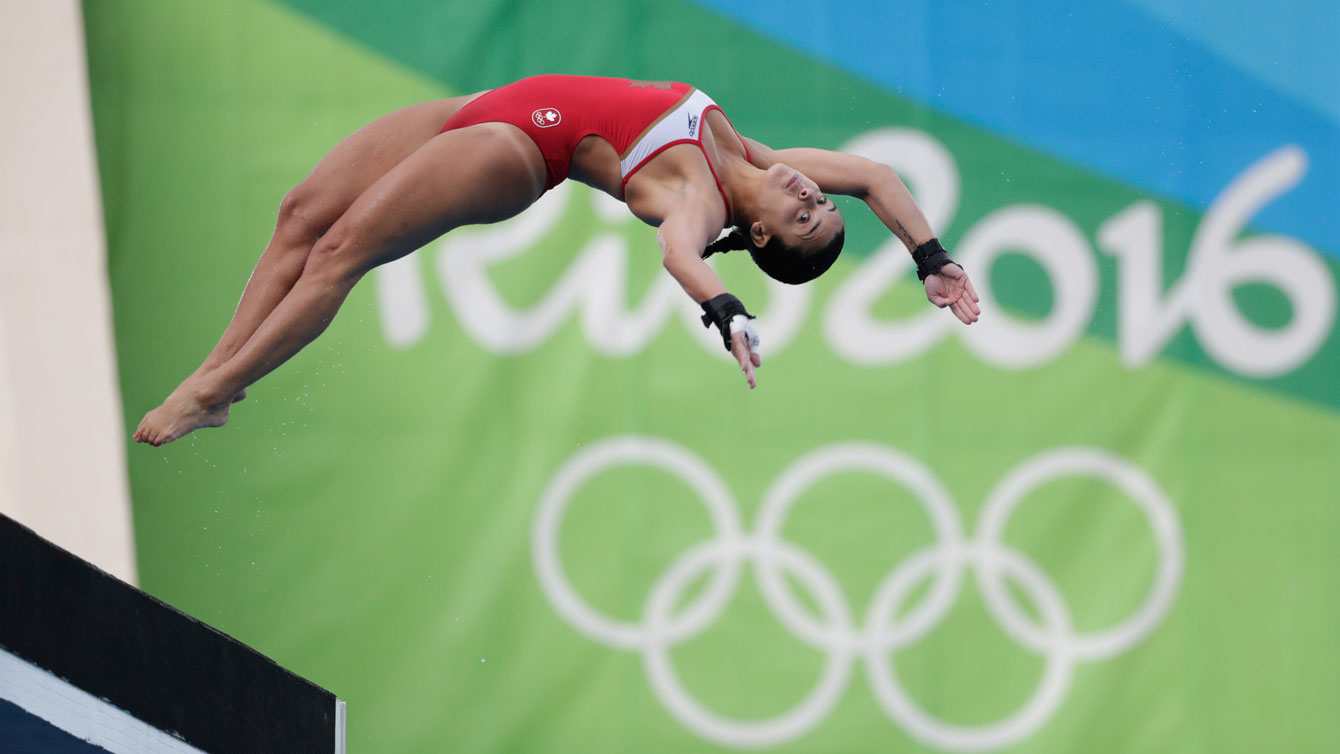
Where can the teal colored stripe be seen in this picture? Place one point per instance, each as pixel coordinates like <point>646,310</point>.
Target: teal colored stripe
<point>1290,46</point>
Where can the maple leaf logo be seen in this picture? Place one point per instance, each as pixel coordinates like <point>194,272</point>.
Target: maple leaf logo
<point>546,117</point>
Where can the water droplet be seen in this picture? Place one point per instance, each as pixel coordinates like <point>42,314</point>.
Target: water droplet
<point>481,659</point>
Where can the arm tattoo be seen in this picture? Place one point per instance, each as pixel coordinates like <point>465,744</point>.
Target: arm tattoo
<point>903,232</point>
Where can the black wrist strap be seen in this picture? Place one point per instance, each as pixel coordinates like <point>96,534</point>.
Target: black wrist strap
<point>930,257</point>
<point>720,311</point>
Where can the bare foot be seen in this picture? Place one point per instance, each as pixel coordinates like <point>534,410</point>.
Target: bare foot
<point>181,414</point>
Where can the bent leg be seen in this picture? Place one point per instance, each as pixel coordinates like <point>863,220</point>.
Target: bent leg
<point>311,208</point>
<point>481,174</point>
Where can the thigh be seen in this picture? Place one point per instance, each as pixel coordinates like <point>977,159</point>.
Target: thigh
<point>363,157</point>
<point>481,174</point>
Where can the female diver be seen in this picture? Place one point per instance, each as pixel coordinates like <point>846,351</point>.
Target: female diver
<point>663,148</point>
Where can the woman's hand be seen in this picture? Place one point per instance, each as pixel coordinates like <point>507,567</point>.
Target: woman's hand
<point>951,287</point>
<point>745,350</point>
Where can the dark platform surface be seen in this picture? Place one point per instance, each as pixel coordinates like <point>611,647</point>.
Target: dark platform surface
<point>151,660</point>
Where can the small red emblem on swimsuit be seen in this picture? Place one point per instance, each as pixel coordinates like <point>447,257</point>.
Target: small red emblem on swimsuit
<point>546,117</point>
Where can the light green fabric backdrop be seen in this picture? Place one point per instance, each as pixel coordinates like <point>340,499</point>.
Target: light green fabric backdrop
<point>502,503</point>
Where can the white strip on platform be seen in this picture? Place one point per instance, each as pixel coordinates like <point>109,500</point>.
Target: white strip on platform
<point>339,726</point>
<point>81,714</point>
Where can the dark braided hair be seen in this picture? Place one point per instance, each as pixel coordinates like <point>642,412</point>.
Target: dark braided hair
<point>782,263</point>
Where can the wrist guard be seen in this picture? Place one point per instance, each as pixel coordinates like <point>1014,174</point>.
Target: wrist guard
<point>930,257</point>
<point>721,311</point>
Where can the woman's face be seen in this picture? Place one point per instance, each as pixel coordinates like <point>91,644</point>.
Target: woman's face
<point>795,211</point>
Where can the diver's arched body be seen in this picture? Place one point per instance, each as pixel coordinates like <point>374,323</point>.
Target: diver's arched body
<point>398,183</point>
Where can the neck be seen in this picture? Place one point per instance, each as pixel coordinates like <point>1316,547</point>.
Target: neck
<point>743,183</point>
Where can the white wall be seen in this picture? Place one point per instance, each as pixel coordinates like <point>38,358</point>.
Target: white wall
<point>62,439</point>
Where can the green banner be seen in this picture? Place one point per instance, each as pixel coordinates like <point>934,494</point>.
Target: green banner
<point>517,499</point>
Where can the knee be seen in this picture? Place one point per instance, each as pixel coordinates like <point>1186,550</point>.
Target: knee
<point>301,216</point>
<point>335,256</point>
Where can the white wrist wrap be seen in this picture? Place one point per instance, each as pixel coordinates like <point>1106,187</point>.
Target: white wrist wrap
<point>741,323</point>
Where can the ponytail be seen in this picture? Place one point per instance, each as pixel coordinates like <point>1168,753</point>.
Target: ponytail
<point>736,239</point>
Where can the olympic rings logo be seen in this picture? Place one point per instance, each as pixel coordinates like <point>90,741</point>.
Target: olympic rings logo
<point>886,628</point>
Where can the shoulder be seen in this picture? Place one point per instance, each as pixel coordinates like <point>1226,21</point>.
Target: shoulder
<point>689,226</point>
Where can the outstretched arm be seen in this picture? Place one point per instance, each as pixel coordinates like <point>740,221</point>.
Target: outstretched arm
<point>883,191</point>
<point>683,236</point>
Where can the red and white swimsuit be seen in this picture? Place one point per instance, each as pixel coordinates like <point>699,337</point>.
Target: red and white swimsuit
<point>640,119</point>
